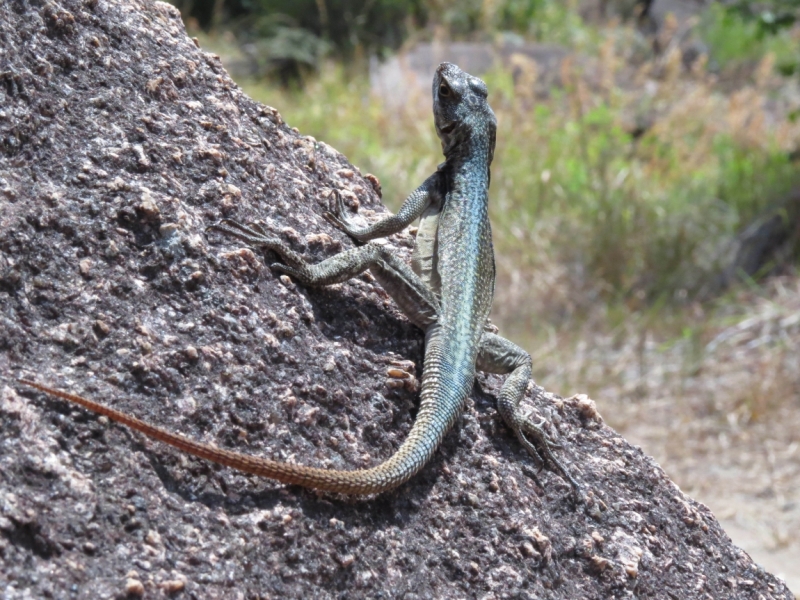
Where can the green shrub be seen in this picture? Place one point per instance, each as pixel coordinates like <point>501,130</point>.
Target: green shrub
<point>735,35</point>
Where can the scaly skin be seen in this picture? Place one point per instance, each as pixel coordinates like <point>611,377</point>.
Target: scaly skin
<point>447,292</point>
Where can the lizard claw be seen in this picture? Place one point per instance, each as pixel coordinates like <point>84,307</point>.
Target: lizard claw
<point>253,233</point>
<point>527,428</point>
<point>334,220</point>
<point>338,216</point>
<point>257,227</point>
<point>537,431</point>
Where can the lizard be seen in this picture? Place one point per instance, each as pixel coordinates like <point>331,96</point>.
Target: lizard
<point>447,291</point>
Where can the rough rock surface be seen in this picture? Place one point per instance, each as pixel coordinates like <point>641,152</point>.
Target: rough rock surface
<point>120,141</point>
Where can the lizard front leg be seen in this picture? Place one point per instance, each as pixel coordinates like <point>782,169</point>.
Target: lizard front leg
<point>411,293</point>
<point>411,210</point>
<point>499,355</point>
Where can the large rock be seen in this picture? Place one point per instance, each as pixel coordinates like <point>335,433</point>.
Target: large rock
<point>406,76</point>
<point>120,142</point>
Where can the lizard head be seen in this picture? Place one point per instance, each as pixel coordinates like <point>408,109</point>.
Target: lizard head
<point>461,112</point>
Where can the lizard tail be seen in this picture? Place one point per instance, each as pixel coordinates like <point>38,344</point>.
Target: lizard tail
<point>363,481</point>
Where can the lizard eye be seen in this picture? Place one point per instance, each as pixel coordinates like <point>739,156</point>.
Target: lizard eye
<point>444,90</point>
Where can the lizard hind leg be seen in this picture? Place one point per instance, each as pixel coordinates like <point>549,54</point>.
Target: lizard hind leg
<point>499,355</point>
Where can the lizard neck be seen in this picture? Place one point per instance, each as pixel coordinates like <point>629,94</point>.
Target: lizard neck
<point>471,177</point>
<point>468,184</point>
<point>465,254</point>
<point>471,159</point>
<point>475,149</point>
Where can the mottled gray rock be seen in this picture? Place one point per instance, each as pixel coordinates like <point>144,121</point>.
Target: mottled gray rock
<point>120,142</point>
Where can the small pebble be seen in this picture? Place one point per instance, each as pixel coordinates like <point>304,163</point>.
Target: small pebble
<point>153,538</point>
<point>167,229</point>
<point>631,569</point>
<point>134,587</point>
<point>149,209</point>
<point>172,586</point>
<point>600,564</point>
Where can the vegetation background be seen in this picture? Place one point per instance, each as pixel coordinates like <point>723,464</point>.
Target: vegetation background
<point>645,203</point>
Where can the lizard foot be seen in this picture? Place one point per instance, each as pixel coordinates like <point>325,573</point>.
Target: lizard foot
<point>338,217</point>
<point>541,448</point>
<point>252,233</point>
